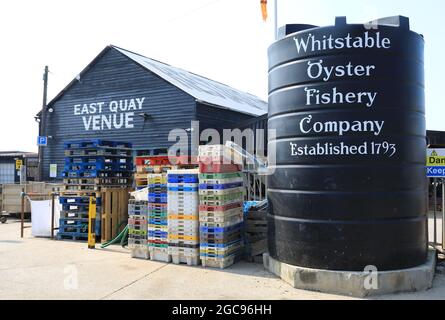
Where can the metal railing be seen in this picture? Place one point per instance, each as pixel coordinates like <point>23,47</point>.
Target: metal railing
<point>255,173</point>
<point>436,208</point>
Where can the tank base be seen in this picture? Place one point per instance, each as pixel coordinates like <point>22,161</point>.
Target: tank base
<point>355,284</point>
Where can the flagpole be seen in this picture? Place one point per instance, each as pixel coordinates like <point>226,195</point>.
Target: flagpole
<point>275,19</point>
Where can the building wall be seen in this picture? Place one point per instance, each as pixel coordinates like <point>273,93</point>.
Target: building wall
<point>436,138</point>
<point>8,171</point>
<point>219,119</point>
<point>112,79</point>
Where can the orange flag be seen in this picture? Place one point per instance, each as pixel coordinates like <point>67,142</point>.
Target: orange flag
<point>264,9</point>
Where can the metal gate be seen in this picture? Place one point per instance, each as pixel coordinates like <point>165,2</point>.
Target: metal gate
<point>436,208</point>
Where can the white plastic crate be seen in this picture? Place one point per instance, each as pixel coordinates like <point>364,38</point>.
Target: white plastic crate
<point>185,195</point>
<point>140,252</point>
<point>234,217</point>
<point>174,200</point>
<point>218,263</point>
<point>220,192</point>
<point>221,181</point>
<point>136,243</point>
<point>159,254</point>
<point>184,251</point>
<point>189,260</point>
<point>190,232</point>
<point>183,171</point>
<point>183,242</point>
<point>192,224</point>
<point>182,185</point>
<point>215,153</point>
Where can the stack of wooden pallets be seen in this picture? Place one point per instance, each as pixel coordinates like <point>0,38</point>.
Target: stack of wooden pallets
<point>256,231</point>
<point>94,168</point>
<point>158,164</point>
<point>221,196</point>
<point>183,215</point>
<point>149,164</point>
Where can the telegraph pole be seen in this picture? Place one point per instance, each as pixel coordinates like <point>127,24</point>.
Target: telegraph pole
<point>42,120</point>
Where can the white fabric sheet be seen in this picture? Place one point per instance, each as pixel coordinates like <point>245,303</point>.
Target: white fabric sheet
<point>41,217</point>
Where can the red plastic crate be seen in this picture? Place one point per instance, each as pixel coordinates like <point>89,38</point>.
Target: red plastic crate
<point>218,168</point>
<point>165,160</point>
<point>152,160</point>
<point>220,208</point>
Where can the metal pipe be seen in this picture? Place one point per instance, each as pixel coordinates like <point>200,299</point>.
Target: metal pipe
<point>435,209</point>
<point>22,215</point>
<point>52,213</point>
<point>443,214</point>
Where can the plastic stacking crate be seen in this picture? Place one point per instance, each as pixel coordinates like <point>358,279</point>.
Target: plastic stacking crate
<point>218,153</point>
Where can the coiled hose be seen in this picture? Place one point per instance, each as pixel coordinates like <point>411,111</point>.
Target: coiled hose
<point>121,238</point>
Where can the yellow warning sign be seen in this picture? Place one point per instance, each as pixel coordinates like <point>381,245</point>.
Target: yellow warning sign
<point>18,164</point>
<point>435,158</point>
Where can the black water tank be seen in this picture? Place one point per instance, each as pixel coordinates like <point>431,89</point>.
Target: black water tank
<point>349,189</point>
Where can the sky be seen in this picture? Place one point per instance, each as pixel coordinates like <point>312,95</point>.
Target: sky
<point>225,40</point>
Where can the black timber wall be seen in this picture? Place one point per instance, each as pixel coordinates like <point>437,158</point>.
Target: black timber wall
<point>115,77</point>
<point>218,118</point>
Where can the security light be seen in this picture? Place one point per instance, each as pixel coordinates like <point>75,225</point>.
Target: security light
<point>145,116</point>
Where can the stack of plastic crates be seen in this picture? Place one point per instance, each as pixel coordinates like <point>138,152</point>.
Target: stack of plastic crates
<point>157,217</point>
<point>89,166</point>
<point>221,196</point>
<point>149,164</point>
<point>183,216</point>
<point>138,229</point>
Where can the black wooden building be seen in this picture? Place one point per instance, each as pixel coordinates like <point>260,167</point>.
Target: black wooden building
<point>124,96</point>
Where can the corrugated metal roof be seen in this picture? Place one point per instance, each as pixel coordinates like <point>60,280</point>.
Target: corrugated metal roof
<point>201,88</point>
<point>8,154</point>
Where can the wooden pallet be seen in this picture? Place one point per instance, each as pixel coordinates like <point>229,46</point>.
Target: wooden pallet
<point>114,211</point>
<point>256,235</point>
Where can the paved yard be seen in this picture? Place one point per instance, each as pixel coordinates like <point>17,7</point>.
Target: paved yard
<point>34,268</point>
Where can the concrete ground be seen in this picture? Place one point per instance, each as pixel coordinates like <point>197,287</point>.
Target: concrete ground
<point>36,268</point>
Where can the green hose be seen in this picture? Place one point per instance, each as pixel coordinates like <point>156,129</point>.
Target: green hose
<point>117,239</point>
<point>124,241</point>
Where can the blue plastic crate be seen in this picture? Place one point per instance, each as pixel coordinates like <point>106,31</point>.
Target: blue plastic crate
<point>160,234</point>
<point>235,227</point>
<point>183,178</point>
<point>183,189</point>
<point>157,198</point>
<point>157,186</point>
<point>159,222</point>
<point>220,186</point>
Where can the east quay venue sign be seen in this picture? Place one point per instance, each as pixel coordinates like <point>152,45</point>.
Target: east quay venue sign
<point>435,163</point>
<point>111,115</point>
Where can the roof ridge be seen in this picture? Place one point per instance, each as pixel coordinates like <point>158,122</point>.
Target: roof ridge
<point>196,74</point>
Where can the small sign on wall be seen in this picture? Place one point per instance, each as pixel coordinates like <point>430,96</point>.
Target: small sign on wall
<point>53,170</point>
<point>18,164</point>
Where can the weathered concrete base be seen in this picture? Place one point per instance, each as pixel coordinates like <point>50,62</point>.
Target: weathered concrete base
<point>353,283</point>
